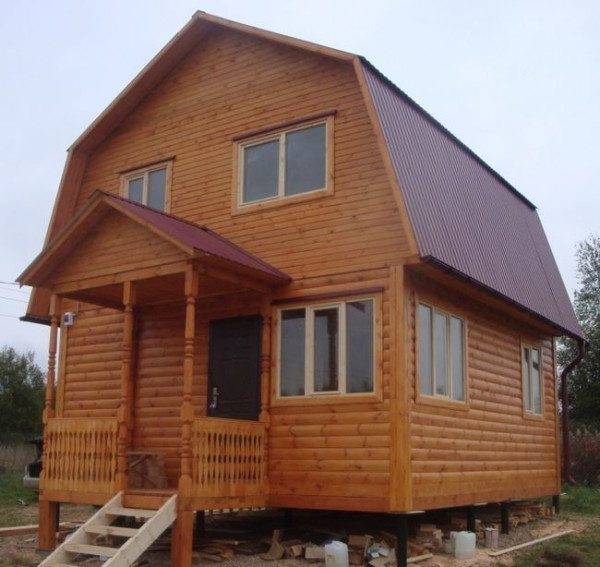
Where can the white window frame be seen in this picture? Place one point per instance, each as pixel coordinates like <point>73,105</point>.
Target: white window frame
<point>526,380</point>
<point>309,381</point>
<point>144,173</point>
<point>281,136</point>
<point>449,382</point>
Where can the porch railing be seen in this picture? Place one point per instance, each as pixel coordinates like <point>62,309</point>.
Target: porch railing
<point>228,458</point>
<point>80,455</point>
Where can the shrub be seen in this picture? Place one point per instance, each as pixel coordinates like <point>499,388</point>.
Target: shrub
<point>585,457</point>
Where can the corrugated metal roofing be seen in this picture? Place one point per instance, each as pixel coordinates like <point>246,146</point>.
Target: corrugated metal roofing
<point>197,237</point>
<point>465,216</point>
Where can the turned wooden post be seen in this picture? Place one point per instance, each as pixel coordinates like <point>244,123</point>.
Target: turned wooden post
<point>126,399</point>
<point>48,511</point>
<point>265,382</point>
<point>187,409</point>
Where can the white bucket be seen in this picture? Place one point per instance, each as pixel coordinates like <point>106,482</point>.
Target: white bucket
<point>464,545</point>
<point>336,554</point>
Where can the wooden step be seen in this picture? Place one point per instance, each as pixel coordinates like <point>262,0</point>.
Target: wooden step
<point>62,565</point>
<point>90,549</point>
<point>111,530</point>
<point>131,512</point>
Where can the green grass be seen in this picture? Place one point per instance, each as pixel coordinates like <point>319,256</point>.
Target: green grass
<point>581,548</point>
<point>11,491</point>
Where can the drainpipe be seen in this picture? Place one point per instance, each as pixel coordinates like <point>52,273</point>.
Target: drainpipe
<point>565,410</point>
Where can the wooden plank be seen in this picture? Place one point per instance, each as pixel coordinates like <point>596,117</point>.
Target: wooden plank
<point>88,549</point>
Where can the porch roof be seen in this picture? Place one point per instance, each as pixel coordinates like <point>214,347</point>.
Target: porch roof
<point>193,240</point>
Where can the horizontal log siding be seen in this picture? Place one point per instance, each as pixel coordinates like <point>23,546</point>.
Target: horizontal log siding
<point>490,452</point>
<point>92,368</point>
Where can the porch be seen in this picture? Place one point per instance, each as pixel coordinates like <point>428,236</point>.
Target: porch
<point>123,256</point>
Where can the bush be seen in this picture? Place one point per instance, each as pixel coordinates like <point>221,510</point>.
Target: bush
<point>585,457</point>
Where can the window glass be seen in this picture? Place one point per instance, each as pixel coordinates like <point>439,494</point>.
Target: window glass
<point>440,339</point>
<point>536,397</point>
<point>261,171</point>
<point>425,369</point>
<point>456,349</point>
<point>305,160</point>
<point>156,189</point>
<point>326,350</point>
<point>359,346</point>
<point>135,189</point>
<point>293,332</point>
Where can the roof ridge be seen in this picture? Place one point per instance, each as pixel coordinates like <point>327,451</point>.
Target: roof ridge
<point>447,132</point>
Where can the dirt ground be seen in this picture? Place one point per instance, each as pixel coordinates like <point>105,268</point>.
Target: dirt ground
<point>317,527</point>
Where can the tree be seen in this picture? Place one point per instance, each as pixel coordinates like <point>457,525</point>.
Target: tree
<point>21,395</point>
<point>584,381</point>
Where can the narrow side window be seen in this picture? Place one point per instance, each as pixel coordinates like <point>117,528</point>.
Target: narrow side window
<point>532,379</point>
<point>292,352</point>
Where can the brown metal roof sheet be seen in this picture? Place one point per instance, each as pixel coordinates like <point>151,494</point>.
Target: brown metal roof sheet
<point>465,216</point>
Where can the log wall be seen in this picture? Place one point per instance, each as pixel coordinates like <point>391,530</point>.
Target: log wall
<point>489,450</point>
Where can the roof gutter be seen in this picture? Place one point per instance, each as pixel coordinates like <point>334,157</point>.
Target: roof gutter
<point>564,399</point>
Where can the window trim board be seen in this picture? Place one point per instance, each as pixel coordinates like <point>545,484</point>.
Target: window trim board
<point>329,397</point>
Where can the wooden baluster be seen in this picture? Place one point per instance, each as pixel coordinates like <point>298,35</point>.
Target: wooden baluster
<point>48,511</point>
<point>125,403</point>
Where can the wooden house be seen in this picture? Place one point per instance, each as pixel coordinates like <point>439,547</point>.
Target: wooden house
<point>273,272</point>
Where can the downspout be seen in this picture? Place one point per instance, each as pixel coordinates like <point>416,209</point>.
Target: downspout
<point>564,398</point>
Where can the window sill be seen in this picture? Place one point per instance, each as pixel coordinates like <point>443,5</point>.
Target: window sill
<point>458,405</point>
<point>281,202</point>
<point>326,399</point>
<point>528,415</point>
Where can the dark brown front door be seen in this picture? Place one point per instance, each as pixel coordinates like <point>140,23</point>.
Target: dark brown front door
<point>234,368</point>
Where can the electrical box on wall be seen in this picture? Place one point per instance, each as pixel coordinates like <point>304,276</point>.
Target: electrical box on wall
<point>68,319</point>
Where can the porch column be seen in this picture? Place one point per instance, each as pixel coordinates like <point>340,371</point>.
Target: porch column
<point>265,362</point>
<point>187,410</point>
<point>126,400</point>
<point>183,530</point>
<point>48,511</point>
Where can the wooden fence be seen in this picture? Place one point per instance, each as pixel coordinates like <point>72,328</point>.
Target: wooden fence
<point>228,458</point>
<point>80,455</point>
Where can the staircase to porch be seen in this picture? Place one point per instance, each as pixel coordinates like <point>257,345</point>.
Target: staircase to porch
<point>134,541</point>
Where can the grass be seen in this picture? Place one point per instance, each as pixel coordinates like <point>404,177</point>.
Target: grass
<point>12,499</point>
<point>576,549</point>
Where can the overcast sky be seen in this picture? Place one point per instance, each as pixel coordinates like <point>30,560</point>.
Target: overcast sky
<point>517,81</point>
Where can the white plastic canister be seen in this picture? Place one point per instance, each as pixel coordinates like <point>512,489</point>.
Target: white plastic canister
<point>464,545</point>
<point>336,554</point>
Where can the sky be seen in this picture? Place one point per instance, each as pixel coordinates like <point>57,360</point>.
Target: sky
<point>517,81</point>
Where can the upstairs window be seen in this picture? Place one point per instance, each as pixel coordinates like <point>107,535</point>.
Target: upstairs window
<point>148,186</point>
<point>327,349</point>
<point>441,356</point>
<point>284,164</point>
<point>532,379</point>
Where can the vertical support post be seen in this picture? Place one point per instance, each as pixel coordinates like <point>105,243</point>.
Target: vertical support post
<point>265,386</point>
<point>187,409</point>
<point>471,519</point>
<point>182,539</point>
<point>126,399</point>
<point>48,511</point>
<point>556,503</point>
<point>402,540</point>
<point>504,523</point>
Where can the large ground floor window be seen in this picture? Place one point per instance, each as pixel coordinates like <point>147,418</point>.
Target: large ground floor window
<point>327,348</point>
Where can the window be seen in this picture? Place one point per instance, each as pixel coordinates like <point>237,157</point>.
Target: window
<point>532,379</point>
<point>327,348</point>
<point>441,353</point>
<point>284,164</point>
<point>148,186</point>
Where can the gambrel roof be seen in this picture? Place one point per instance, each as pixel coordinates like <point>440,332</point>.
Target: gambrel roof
<point>460,214</point>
